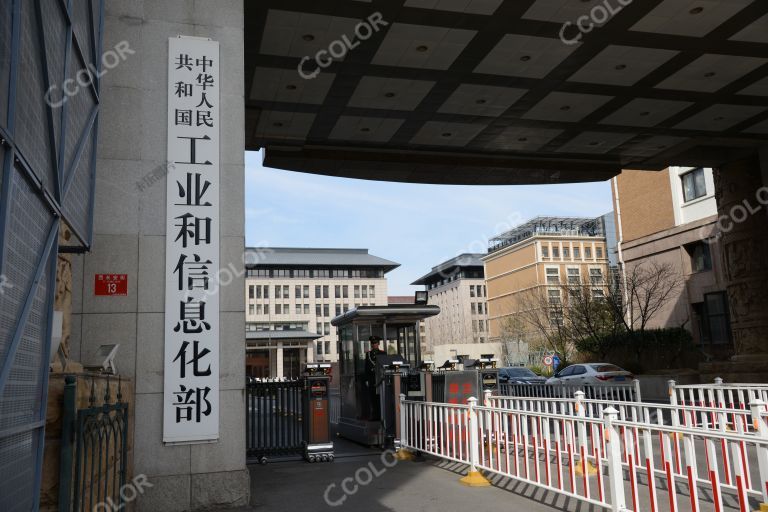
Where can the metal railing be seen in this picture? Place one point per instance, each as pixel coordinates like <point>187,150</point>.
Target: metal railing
<point>334,404</point>
<point>629,392</point>
<point>602,457</point>
<point>97,437</point>
<point>273,419</point>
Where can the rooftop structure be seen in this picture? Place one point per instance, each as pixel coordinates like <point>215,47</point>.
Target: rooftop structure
<point>549,226</point>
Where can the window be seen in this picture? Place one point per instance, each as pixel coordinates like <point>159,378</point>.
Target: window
<point>701,257</point>
<point>298,309</point>
<point>297,291</point>
<point>327,328</point>
<point>318,310</point>
<point>338,309</point>
<point>326,292</point>
<point>306,291</point>
<point>579,370</point>
<point>566,252</point>
<point>472,290</point>
<point>259,309</point>
<point>474,308</point>
<point>286,293</point>
<point>694,185</point>
<point>574,276</point>
<point>337,291</point>
<point>577,253</point>
<point>278,292</point>
<point>251,309</point>
<point>598,293</point>
<point>251,292</point>
<point>554,296</point>
<point>278,309</point>
<point>326,310</point>
<point>357,291</point>
<point>717,322</point>
<point>365,291</point>
<point>596,275</point>
<point>318,293</point>
<point>553,275</point>
<point>599,252</point>
<point>266,309</point>
<point>588,252</point>
<point>545,251</point>
<point>258,291</point>
<point>319,348</point>
<point>328,347</point>
<point>345,291</point>
<point>371,291</point>
<point>286,309</point>
<point>319,328</point>
<point>555,252</point>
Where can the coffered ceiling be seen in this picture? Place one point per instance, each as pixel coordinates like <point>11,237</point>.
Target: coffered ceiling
<point>492,91</point>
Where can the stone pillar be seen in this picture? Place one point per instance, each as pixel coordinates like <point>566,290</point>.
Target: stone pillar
<point>741,200</point>
<point>279,360</point>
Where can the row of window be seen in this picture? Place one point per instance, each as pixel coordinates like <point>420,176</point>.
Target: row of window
<point>464,274</point>
<point>479,325</point>
<point>574,275</point>
<point>566,252</point>
<point>371,273</point>
<point>477,290</point>
<point>321,310</point>
<point>259,291</point>
<point>479,308</point>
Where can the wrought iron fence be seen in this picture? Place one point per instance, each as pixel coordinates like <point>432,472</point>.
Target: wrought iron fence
<point>97,438</point>
<point>273,419</point>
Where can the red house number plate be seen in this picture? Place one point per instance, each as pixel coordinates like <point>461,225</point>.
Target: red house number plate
<point>115,285</point>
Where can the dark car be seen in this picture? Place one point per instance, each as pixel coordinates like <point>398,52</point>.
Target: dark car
<point>519,375</point>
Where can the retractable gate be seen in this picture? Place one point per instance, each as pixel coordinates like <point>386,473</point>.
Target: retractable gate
<point>273,420</point>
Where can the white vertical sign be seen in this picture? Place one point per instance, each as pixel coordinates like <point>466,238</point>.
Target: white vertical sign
<point>191,389</point>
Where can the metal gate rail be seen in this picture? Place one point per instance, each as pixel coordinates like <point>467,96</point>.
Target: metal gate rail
<point>273,419</point>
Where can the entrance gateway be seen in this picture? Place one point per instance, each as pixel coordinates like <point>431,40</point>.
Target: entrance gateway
<point>296,417</point>
<point>369,115</point>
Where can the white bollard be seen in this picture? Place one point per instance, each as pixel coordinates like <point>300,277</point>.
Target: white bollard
<point>615,470</point>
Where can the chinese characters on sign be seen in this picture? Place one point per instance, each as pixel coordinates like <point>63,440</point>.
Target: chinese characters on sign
<point>110,285</point>
<point>191,392</point>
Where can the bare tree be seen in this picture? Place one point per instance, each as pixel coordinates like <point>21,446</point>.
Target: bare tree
<point>642,291</point>
<point>546,317</point>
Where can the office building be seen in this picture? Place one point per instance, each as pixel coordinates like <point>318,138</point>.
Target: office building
<point>543,253</point>
<point>458,287</point>
<point>301,290</point>
<point>670,218</point>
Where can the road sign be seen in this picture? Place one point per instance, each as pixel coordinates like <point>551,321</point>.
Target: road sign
<point>548,360</point>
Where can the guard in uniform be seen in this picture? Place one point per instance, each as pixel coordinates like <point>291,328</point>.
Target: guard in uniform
<point>370,378</point>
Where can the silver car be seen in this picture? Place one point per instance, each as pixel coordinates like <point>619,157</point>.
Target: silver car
<point>592,374</point>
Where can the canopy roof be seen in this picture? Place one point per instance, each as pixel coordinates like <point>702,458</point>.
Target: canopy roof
<point>492,91</point>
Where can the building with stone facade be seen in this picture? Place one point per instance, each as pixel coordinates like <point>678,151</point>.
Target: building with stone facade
<point>537,256</point>
<point>458,287</point>
<point>301,290</point>
<point>670,218</point>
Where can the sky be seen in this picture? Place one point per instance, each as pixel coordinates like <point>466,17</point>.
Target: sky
<point>416,225</point>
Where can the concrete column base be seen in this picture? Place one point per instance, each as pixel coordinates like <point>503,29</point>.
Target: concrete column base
<point>204,491</point>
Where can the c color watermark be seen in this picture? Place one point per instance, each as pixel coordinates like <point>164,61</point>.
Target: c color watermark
<point>598,16</point>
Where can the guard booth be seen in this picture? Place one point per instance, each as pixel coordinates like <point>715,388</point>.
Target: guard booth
<point>369,417</point>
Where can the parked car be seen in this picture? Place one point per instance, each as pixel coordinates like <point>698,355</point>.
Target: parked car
<point>519,375</point>
<point>592,374</point>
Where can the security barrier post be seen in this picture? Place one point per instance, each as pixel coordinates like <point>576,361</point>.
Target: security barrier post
<point>761,428</point>
<point>615,470</point>
<point>474,478</point>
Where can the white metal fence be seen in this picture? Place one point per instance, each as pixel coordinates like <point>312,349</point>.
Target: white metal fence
<point>632,457</point>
